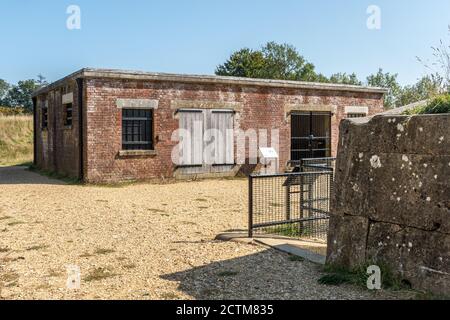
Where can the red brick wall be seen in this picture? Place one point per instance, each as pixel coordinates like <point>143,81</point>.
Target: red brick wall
<point>263,108</point>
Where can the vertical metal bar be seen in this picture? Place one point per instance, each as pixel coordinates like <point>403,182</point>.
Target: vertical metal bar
<point>250,206</point>
<point>288,201</point>
<point>302,199</point>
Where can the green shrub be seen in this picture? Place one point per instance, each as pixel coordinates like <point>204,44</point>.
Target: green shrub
<point>440,104</point>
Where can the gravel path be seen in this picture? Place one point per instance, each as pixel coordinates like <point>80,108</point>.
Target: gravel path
<point>140,241</point>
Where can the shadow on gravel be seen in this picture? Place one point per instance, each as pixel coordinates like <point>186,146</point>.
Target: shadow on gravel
<point>22,175</point>
<point>263,275</point>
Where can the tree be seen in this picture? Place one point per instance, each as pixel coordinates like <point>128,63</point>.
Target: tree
<point>245,63</point>
<point>273,61</point>
<point>427,87</point>
<point>284,62</point>
<point>344,78</point>
<point>20,94</point>
<point>4,87</point>
<point>388,81</point>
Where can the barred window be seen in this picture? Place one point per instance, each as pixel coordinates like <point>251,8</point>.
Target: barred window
<point>68,114</point>
<point>137,129</point>
<point>356,115</point>
<point>44,118</point>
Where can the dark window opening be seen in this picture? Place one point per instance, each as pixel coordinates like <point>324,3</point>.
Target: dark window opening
<point>310,135</point>
<point>356,115</point>
<point>44,118</point>
<point>68,114</point>
<point>137,129</point>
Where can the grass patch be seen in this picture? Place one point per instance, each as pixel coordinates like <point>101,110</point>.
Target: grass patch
<point>224,274</point>
<point>4,218</point>
<point>36,248</point>
<point>188,223</point>
<point>292,230</point>
<point>99,274</point>
<point>86,255</point>
<point>276,205</point>
<point>294,258</point>
<point>430,296</point>
<point>9,276</point>
<point>336,279</point>
<point>130,266</point>
<point>169,296</point>
<point>54,273</point>
<point>101,251</point>
<point>16,139</point>
<point>121,258</point>
<point>3,250</point>
<point>156,210</point>
<point>201,200</point>
<point>115,185</point>
<point>16,223</point>
<point>358,276</point>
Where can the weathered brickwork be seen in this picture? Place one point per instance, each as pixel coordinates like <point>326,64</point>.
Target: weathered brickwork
<point>57,145</point>
<point>259,108</point>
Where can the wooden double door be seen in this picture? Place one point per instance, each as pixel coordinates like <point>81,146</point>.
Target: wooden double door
<point>207,141</point>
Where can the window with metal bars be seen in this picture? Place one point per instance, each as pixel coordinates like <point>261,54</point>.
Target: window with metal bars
<point>44,124</point>
<point>137,129</point>
<point>356,115</point>
<point>68,114</point>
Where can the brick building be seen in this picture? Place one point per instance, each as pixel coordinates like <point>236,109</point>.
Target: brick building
<point>111,125</point>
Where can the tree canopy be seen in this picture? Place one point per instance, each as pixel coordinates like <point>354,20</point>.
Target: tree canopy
<point>272,61</point>
<point>388,81</point>
<point>284,62</point>
<point>20,95</point>
<point>4,87</point>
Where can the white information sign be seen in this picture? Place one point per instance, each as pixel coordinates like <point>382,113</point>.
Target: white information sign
<point>268,153</point>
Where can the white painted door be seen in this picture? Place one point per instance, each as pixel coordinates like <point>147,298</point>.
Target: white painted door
<point>220,125</point>
<point>191,137</point>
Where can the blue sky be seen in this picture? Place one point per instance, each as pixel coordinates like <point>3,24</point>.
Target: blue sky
<point>194,36</point>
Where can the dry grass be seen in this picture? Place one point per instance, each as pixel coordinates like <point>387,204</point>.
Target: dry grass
<point>16,140</point>
<point>98,274</point>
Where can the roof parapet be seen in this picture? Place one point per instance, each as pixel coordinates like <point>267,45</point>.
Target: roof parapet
<point>206,79</point>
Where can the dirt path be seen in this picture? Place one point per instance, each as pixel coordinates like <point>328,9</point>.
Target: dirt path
<point>140,242</point>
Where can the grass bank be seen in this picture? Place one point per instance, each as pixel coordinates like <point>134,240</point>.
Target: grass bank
<point>16,140</point>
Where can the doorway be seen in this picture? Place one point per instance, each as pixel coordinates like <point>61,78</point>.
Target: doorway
<point>310,135</point>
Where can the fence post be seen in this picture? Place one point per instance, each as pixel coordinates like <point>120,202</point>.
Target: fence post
<point>288,201</point>
<point>250,206</point>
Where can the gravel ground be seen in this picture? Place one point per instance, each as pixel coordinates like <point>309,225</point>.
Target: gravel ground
<point>141,241</point>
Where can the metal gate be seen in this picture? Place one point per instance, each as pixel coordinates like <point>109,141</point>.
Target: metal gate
<point>295,205</point>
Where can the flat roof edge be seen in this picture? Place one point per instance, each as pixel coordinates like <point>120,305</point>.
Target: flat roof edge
<point>208,79</point>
